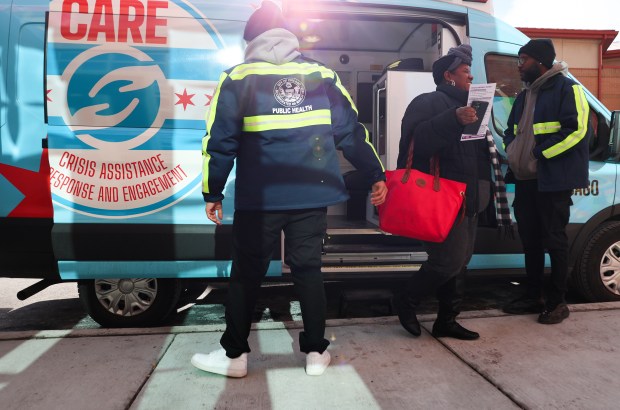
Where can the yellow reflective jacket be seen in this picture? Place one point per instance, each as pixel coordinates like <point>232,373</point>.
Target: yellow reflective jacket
<point>283,124</point>
<point>561,133</point>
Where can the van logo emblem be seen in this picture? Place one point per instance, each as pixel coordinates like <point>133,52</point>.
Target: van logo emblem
<point>290,92</point>
<point>122,128</point>
<point>98,101</point>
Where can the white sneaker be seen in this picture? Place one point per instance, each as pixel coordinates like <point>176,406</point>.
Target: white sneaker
<point>316,363</point>
<point>217,362</point>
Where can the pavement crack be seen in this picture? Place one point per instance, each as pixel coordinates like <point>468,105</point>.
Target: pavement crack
<point>506,393</point>
<point>150,373</point>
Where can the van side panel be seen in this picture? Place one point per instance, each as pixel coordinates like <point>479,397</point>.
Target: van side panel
<point>23,162</point>
<point>5,18</point>
<point>126,86</point>
<point>485,26</point>
<point>25,204</point>
<point>125,129</point>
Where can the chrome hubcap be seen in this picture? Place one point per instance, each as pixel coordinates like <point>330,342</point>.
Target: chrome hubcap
<point>126,297</point>
<point>610,268</point>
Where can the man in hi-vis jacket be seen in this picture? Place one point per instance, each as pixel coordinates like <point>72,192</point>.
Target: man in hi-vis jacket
<point>547,147</point>
<point>282,117</point>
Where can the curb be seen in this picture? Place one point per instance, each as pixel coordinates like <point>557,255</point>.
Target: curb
<point>382,320</point>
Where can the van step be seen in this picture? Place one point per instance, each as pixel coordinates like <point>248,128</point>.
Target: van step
<point>371,268</point>
<point>373,258</point>
<point>366,248</point>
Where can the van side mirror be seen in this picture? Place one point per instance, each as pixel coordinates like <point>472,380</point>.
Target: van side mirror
<point>600,137</point>
<point>615,134</point>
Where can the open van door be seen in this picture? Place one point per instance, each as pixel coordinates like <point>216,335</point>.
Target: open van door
<point>383,55</point>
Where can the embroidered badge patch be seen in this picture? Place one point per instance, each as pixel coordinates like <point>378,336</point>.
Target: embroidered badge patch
<point>290,92</point>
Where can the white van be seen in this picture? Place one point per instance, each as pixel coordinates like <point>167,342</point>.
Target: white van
<point>102,107</point>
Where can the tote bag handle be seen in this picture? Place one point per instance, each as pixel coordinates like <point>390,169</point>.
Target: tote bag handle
<point>434,168</point>
<point>434,171</point>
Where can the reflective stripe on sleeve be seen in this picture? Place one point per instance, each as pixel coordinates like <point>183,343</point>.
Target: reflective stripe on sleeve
<point>367,141</point>
<point>547,127</point>
<point>345,93</point>
<point>583,110</point>
<point>205,140</point>
<point>205,165</point>
<point>216,95</point>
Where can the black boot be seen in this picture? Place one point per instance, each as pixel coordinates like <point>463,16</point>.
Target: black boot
<point>406,315</point>
<point>450,328</point>
<point>420,283</point>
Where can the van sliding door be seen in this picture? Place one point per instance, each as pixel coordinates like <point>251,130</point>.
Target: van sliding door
<point>25,204</point>
<point>129,85</point>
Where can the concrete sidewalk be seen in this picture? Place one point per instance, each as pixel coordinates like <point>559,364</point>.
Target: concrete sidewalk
<point>517,363</point>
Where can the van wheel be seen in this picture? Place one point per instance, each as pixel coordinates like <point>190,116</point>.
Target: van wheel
<point>598,278</point>
<point>129,302</point>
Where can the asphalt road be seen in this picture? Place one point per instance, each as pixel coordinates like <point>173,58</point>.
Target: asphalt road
<point>58,307</point>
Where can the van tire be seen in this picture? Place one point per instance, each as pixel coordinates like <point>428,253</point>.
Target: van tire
<point>601,253</point>
<point>152,300</point>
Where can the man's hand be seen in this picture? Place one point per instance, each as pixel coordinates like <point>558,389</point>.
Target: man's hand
<point>379,191</point>
<point>214,212</point>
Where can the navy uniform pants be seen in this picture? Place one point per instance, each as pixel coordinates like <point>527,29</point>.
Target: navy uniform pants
<point>542,218</point>
<point>256,237</point>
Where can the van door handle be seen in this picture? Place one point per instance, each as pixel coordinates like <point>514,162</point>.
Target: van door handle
<point>375,136</point>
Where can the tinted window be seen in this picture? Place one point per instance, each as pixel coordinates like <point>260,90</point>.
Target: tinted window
<point>502,70</point>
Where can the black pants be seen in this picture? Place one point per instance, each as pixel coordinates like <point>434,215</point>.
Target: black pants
<point>444,270</point>
<point>256,235</point>
<point>542,218</point>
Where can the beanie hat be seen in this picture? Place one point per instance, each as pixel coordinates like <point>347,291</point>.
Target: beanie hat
<point>541,50</point>
<point>455,57</point>
<point>267,17</point>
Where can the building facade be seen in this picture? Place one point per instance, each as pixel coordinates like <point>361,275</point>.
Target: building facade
<point>588,58</point>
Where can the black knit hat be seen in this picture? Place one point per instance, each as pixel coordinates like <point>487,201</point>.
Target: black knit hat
<point>541,49</point>
<point>455,57</point>
<point>267,17</point>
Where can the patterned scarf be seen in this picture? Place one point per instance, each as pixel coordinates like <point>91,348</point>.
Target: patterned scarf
<point>504,222</point>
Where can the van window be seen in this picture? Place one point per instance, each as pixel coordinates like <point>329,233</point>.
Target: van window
<point>502,70</point>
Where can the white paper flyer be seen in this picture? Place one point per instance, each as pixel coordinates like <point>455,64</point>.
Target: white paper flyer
<point>481,98</point>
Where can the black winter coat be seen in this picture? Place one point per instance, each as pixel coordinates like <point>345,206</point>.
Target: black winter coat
<point>431,119</point>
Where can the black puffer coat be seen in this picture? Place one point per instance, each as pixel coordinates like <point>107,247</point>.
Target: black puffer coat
<point>431,119</point>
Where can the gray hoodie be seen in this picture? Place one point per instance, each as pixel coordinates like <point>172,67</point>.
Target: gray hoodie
<point>276,46</point>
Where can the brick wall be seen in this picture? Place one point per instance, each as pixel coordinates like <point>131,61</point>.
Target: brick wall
<point>611,88</point>
<point>610,84</point>
<point>588,77</point>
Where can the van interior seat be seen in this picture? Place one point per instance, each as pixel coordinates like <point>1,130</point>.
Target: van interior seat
<point>407,64</point>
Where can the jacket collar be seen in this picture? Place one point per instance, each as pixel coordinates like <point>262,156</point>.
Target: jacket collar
<point>454,93</point>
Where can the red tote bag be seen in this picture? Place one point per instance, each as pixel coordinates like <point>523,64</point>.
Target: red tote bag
<point>420,205</point>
